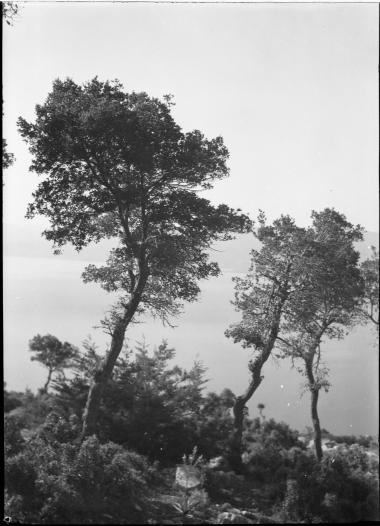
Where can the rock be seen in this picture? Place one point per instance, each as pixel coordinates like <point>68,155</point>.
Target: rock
<point>245,457</point>
<point>232,518</point>
<point>235,511</point>
<point>250,514</point>
<point>216,463</point>
<point>188,477</point>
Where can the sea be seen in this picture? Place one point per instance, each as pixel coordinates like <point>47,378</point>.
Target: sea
<point>45,294</point>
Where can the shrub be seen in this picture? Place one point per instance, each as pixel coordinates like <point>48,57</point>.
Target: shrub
<point>152,406</point>
<point>351,476</point>
<point>341,488</point>
<point>223,486</point>
<point>33,409</point>
<point>13,440</point>
<point>11,400</point>
<point>271,433</point>
<point>269,444</point>
<point>61,483</point>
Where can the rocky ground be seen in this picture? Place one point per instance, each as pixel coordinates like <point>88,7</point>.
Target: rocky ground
<point>180,505</point>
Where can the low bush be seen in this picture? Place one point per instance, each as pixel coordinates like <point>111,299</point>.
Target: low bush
<point>13,440</point>
<point>341,488</point>
<point>53,482</point>
<point>224,486</point>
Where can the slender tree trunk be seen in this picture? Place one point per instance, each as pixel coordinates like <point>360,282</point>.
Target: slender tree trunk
<point>314,391</point>
<point>104,373</point>
<point>316,424</point>
<point>238,410</point>
<point>45,387</point>
<point>255,367</point>
<point>100,380</point>
<point>235,450</point>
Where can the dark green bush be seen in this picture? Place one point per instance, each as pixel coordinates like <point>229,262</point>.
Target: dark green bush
<point>271,433</point>
<point>152,406</point>
<point>158,410</point>
<point>33,409</point>
<point>224,486</point>
<point>341,488</point>
<point>51,482</point>
<point>13,440</point>
<point>267,445</point>
<point>11,400</point>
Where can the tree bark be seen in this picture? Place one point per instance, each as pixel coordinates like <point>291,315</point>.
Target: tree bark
<point>314,391</point>
<point>235,449</point>
<point>45,387</point>
<point>104,372</point>
<point>255,367</point>
<point>238,411</point>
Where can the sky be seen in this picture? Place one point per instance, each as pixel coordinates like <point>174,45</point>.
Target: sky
<point>292,89</point>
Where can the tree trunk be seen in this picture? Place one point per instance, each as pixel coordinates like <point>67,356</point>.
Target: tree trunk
<point>238,410</point>
<point>45,387</point>
<point>316,424</point>
<point>255,367</point>
<point>105,370</point>
<point>314,391</point>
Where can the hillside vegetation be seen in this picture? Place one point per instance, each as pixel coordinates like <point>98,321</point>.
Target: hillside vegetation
<point>154,418</point>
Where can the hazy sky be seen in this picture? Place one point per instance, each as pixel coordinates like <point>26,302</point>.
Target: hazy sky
<point>291,88</point>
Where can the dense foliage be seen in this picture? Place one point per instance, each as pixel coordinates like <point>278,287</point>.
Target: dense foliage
<point>154,407</point>
<point>55,482</point>
<point>52,477</point>
<point>9,11</point>
<point>52,354</point>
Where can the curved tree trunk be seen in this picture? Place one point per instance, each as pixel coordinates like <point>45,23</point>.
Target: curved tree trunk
<point>314,391</point>
<point>255,367</point>
<point>45,387</point>
<point>235,449</point>
<point>100,380</point>
<point>105,370</point>
<point>238,410</point>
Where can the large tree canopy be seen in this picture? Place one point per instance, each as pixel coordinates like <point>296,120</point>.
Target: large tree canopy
<point>118,165</point>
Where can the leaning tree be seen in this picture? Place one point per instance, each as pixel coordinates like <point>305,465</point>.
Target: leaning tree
<point>276,274</point>
<point>303,285</point>
<point>116,165</point>
<point>327,307</point>
<point>52,354</point>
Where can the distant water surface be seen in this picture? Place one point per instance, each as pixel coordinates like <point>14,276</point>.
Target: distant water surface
<point>46,295</point>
